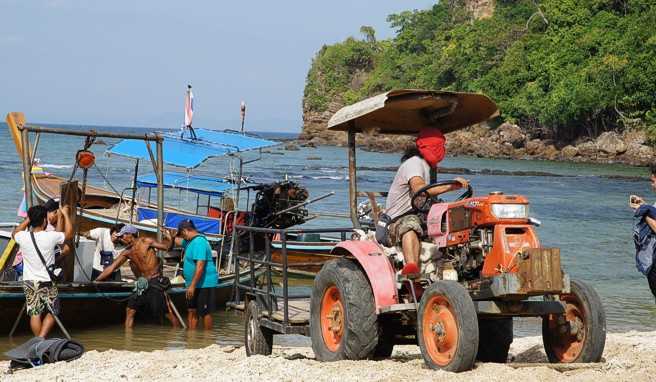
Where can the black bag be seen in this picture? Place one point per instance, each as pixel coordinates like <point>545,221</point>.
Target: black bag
<point>382,230</point>
<point>106,258</point>
<point>53,271</point>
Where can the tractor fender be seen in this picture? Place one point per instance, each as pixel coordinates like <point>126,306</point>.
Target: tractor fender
<point>376,266</point>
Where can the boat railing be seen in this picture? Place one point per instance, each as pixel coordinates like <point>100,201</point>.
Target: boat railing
<point>255,260</point>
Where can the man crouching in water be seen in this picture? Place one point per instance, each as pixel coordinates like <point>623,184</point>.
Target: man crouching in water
<point>151,286</point>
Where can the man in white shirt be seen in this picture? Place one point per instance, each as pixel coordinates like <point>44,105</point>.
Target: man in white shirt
<point>40,291</point>
<point>413,174</point>
<point>105,251</point>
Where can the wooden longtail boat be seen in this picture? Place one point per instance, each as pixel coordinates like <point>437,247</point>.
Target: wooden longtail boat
<point>87,304</point>
<point>306,253</point>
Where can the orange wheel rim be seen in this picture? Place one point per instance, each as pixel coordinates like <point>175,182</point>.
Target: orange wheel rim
<point>440,330</point>
<point>332,318</point>
<point>569,336</point>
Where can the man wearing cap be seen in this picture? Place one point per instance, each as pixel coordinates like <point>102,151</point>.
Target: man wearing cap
<point>150,289</point>
<point>199,270</point>
<point>405,228</point>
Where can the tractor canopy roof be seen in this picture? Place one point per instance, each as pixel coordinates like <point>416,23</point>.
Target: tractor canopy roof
<point>407,111</point>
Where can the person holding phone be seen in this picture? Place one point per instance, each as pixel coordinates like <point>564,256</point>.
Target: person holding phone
<point>644,233</point>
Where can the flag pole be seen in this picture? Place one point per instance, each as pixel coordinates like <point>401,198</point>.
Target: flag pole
<point>242,112</point>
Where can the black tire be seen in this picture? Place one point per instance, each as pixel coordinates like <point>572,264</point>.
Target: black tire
<point>258,339</point>
<point>458,321</point>
<point>385,345</point>
<point>359,329</point>
<point>495,337</point>
<point>581,336</point>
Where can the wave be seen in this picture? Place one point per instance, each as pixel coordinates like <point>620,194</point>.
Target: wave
<point>48,165</point>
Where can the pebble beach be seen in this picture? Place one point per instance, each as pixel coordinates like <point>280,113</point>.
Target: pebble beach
<point>629,356</point>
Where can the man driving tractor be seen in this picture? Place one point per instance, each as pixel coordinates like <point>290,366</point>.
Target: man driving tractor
<point>404,227</point>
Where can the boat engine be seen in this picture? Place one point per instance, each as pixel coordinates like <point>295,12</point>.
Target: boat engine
<point>273,205</point>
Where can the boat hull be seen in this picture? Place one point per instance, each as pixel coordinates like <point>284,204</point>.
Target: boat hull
<point>85,306</point>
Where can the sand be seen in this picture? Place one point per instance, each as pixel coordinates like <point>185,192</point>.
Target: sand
<point>628,356</point>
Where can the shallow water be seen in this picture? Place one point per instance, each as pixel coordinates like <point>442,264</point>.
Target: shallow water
<point>583,213</point>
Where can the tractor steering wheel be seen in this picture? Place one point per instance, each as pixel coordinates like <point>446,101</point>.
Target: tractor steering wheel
<point>422,201</point>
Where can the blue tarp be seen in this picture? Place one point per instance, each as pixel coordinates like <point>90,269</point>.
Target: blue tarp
<point>188,153</point>
<point>198,184</point>
<point>171,220</point>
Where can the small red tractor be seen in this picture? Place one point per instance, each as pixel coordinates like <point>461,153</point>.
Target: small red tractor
<point>481,264</point>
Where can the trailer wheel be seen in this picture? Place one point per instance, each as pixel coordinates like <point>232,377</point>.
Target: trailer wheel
<point>447,327</point>
<point>495,337</point>
<point>579,335</point>
<point>343,322</point>
<point>258,340</point>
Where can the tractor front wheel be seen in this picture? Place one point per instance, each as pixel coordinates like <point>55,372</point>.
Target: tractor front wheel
<point>580,334</point>
<point>343,321</point>
<point>447,327</point>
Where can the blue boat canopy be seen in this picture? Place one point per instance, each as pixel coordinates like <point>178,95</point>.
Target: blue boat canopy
<point>191,153</point>
<point>197,184</point>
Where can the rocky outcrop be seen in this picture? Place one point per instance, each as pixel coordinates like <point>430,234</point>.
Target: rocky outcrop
<point>506,141</point>
<point>509,141</point>
<point>480,9</point>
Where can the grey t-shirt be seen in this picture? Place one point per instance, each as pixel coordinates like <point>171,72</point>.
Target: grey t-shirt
<point>398,198</point>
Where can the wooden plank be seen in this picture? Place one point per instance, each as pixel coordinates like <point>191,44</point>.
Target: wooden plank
<point>299,312</point>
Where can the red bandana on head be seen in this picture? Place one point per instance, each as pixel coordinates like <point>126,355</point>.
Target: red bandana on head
<point>430,144</point>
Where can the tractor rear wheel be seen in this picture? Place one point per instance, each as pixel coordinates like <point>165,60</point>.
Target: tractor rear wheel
<point>447,327</point>
<point>580,334</point>
<point>495,337</point>
<point>343,321</point>
<point>258,340</point>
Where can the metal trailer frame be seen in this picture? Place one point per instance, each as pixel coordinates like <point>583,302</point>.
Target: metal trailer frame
<point>265,295</point>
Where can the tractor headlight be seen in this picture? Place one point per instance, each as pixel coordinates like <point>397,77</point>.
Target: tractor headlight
<point>510,211</point>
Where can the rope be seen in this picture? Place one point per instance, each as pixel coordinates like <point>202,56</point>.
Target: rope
<point>107,180</point>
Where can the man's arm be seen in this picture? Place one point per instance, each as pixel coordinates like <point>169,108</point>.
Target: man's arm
<point>68,227</point>
<point>200,268</point>
<point>120,260</point>
<point>165,244</point>
<point>417,183</point>
<point>21,227</point>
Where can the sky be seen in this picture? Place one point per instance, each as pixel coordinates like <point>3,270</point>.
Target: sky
<point>127,63</point>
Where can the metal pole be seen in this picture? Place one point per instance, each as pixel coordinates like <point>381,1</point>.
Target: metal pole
<point>353,188</point>
<point>37,139</point>
<point>93,133</point>
<point>160,190</point>
<point>285,290</point>
<point>27,167</point>
<point>234,218</point>
<point>59,323</point>
<point>18,320</point>
<point>134,190</point>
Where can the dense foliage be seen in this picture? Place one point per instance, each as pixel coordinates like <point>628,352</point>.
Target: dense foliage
<point>560,68</point>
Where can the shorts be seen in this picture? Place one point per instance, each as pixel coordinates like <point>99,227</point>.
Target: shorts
<point>151,302</point>
<point>40,294</point>
<point>204,301</point>
<point>402,226</point>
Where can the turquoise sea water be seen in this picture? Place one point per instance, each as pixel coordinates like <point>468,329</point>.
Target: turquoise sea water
<point>583,213</point>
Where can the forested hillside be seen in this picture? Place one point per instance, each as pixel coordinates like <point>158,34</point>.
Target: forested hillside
<point>562,70</point>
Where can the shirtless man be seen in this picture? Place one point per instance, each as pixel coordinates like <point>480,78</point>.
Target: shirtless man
<point>144,264</point>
